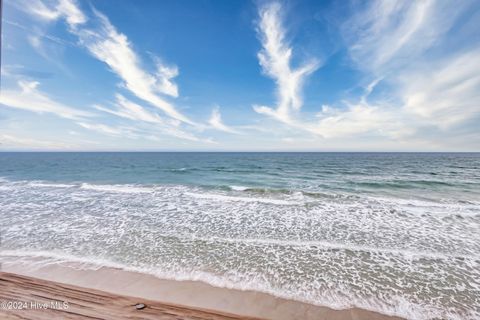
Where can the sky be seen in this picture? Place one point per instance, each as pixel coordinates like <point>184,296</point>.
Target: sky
<point>178,75</point>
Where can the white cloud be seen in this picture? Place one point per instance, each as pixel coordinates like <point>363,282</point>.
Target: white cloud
<point>105,129</point>
<point>127,109</point>
<point>28,97</point>
<point>358,119</point>
<point>114,48</point>
<point>216,122</point>
<point>404,43</point>
<point>69,10</point>
<point>130,110</point>
<point>108,45</point>
<point>37,33</point>
<point>139,133</point>
<point>165,74</point>
<point>428,84</point>
<point>38,9</point>
<point>275,59</point>
<point>389,34</point>
<point>394,42</point>
<point>447,93</point>
<point>178,133</point>
<point>62,9</point>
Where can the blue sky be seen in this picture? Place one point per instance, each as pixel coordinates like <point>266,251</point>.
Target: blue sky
<point>240,75</point>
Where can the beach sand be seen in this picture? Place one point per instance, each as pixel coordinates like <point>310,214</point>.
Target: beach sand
<point>109,293</point>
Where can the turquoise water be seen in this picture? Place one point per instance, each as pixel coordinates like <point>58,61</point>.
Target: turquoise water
<point>397,233</point>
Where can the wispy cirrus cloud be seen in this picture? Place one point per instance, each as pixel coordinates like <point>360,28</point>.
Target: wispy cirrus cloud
<point>36,33</point>
<point>216,122</point>
<point>50,50</point>
<point>434,81</point>
<point>105,129</point>
<point>419,70</point>
<point>393,44</point>
<point>127,109</point>
<point>113,48</point>
<point>385,35</point>
<point>139,132</point>
<point>275,59</point>
<point>53,11</point>
<point>447,93</point>
<point>107,44</point>
<point>104,42</point>
<point>118,131</point>
<point>359,118</point>
<point>28,97</point>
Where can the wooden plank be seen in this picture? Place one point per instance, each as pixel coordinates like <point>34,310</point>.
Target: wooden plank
<point>30,298</point>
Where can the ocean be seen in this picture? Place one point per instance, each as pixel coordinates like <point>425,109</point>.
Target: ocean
<point>397,233</point>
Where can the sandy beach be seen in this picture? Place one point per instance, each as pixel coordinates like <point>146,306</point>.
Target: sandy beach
<point>109,293</point>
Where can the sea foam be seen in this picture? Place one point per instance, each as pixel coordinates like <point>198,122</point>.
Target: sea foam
<point>327,247</point>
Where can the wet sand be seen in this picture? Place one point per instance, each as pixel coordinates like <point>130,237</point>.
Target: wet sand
<point>109,293</point>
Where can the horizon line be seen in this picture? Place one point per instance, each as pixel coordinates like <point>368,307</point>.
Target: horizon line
<point>224,151</point>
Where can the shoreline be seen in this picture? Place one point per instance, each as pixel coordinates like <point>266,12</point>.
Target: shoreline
<point>195,295</point>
